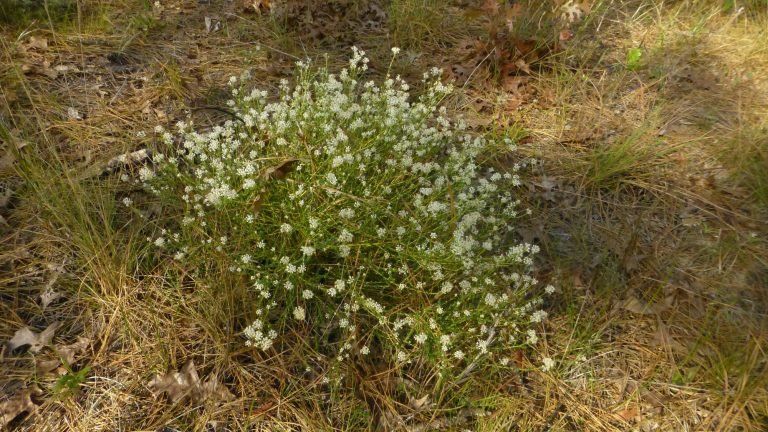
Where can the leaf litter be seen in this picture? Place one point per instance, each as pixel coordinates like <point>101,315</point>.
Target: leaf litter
<point>641,307</point>
<point>18,404</point>
<point>36,341</point>
<point>186,384</point>
<point>48,293</point>
<point>66,355</point>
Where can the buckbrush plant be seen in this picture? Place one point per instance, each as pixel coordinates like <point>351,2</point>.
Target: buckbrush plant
<point>358,212</point>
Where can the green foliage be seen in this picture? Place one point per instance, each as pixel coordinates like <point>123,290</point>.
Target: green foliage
<point>631,160</point>
<point>684,376</point>
<point>68,385</point>
<point>55,15</point>
<point>634,57</point>
<point>364,221</point>
<point>23,12</point>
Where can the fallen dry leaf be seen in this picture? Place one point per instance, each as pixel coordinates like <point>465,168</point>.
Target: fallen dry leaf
<point>662,339</point>
<point>186,384</point>
<point>548,184</point>
<point>654,398</point>
<point>523,66</point>
<point>629,414</point>
<point>7,160</point>
<point>39,43</point>
<point>49,295</point>
<point>258,6</point>
<point>418,404</point>
<point>572,11</point>
<point>44,69</point>
<point>490,7</point>
<point>126,160</point>
<point>212,24</point>
<point>454,422</point>
<point>517,91</point>
<point>638,306</point>
<point>176,385</point>
<point>18,403</point>
<point>66,355</point>
<point>278,172</point>
<point>390,421</point>
<point>36,341</point>
<point>5,197</point>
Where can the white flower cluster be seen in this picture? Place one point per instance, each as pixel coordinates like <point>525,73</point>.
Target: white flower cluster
<point>355,207</point>
<point>257,337</point>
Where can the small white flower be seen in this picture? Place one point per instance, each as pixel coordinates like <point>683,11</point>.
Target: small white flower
<point>549,289</point>
<point>490,299</point>
<point>458,354</point>
<point>420,338</point>
<point>345,236</point>
<point>286,228</point>
<point>313,223</point>
<point>364,350</point>
<point>307,294</point>
<point>127,202</point>
<point>299,314</point>
<point>331,179</point>
<point>547,364</point>
<point>73,114</point>
<point>146,174</point>
<point>532,338</point>
<point>538,316</point>
<point>395,50</point>
<point>347,213</point>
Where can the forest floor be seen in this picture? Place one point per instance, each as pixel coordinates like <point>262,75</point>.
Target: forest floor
<point>649,124</point>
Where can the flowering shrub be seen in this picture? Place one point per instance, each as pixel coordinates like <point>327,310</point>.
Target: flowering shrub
<point>355,211</point>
